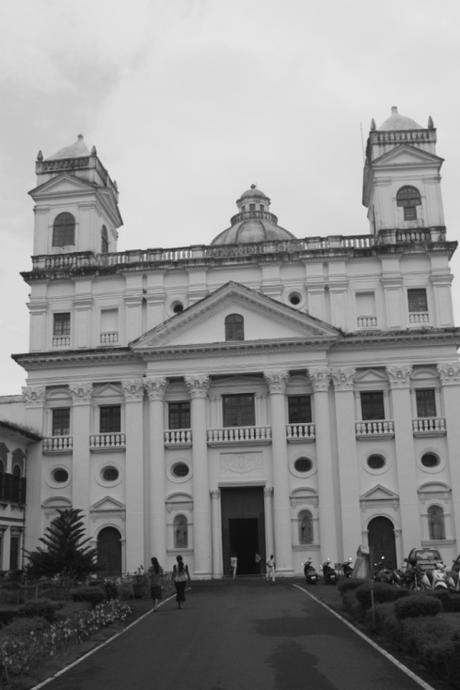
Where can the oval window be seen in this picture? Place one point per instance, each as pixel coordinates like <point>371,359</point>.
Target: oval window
<point>303,465</point>
<point>375,462</point>
<point>430,460</point>
<point>180,469</point>
<point>110,474</point>
<point>60,475</point>
<point>295,298</point>
<point>177,307</point>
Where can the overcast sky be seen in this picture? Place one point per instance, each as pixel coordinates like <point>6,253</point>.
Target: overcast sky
<point>190,101</point>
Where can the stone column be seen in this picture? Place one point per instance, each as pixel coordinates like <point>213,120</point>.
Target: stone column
<point>34,397</point>
<point>327,502</point>
<point>348,470</point>
<point>276,382</point>
<point>133,390</point>
<point>450,391</point>
<point>156,476</point>
<point>268,510</point>
<point>409,509</point>
<point>217,565</point>
<point>81,392</point>
<point>198,387</point>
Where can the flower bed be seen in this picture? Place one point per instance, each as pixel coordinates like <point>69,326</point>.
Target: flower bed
<point>25,643</point>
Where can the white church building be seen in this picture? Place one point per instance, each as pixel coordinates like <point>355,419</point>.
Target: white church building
<point>260,394</point>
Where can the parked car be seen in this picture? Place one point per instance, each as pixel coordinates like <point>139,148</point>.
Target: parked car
<point>424,558</point>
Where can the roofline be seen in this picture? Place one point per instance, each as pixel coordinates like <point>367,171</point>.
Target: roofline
<point>17,429</point>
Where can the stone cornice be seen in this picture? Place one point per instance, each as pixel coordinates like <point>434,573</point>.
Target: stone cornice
<point>43,360</point>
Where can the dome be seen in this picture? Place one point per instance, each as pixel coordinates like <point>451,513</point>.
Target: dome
<point>76,150</point>
<point>397,122</point>
<point>254,222</point>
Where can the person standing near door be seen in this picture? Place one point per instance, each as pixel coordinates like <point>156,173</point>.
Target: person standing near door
<point>270,569</point>
<point>180,577</point>
<point>234,566</point>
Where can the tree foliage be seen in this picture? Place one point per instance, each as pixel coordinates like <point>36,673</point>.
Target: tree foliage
<point>67,552</point>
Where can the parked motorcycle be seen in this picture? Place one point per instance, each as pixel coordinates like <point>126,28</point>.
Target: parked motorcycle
<point>329,573</point>
<point>311,576</point>
<point>453,577</point>
<point>381,573</point>
<point>347,568</point>
<point>437,578</point>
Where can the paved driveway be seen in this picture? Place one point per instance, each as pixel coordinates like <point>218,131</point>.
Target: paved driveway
<point>246,635</point>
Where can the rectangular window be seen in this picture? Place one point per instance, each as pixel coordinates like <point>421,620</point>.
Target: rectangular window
<point>426,402</point>
<point>14,552</point>
<point>238,410</point>
<point>61,324</point>
<point>109,419</point>
<point>60,421</point>
<point>410,212</point>
<point>372,406</point>
<point>417,301</point>
<point>299,409</point>
<point>179,415</point>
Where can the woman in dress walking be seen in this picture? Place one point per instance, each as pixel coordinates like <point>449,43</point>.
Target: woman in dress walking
<point>155,576</point>
<point>180,577</point>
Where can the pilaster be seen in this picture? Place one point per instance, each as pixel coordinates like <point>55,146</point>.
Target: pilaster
<point>276,382</point>
<point>449,375</point>
<point>34,397</point>
<point>81,392</point>
<point>216,515</point>
<point>268,510</point>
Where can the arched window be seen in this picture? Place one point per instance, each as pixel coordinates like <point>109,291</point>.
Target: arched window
<point>234,327</point>
<point>18,461</point>
<point>436,524</point>
<point>63,230</point>
<point>3,458</point>
<point>180,532</point>
<point>17,471</point>
<point>409,198</point>
<point>104,240</point>
<point>305,527</point>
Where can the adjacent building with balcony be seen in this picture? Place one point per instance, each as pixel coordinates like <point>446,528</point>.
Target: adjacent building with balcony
<point>260,394</point>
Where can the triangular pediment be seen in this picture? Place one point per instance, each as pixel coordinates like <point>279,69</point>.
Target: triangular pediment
<point>407,155</point>
<point>61,185</point>
<point>107,505</point>
<point>379,493</point>
<point>264,319</point>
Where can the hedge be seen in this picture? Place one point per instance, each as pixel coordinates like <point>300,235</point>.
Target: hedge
<point>382,592</point>
<point>93,595</point>
<point>43,608</point>
<point>417,605</point>
<point>350,584</point>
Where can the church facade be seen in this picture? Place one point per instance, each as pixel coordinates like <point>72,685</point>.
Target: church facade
<point>259,395</point>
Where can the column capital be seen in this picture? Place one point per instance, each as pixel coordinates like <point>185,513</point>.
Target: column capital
<point>197,385</point>
<point>320,378</point>
<point>215,494</point>
<point>155,387</point>
<point>399,375</point>
<point>268,491</point>
<point>343,378</point>
<point>133,389</point>
<point>276,381</point>
<point>449,373</point>
<point>34,396</point>
<point>81,392</point>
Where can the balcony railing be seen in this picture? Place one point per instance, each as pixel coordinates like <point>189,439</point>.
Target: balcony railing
<point>110,441</point>
<point>429,426</point>
<point>12,488</point>
<point>419,317</point>
<point>61,341</point>
<point>58,444</point>
<point>297,433</point>
<point>109,338</point>
<point>178,437</point>
<point>375,428</point>
<point>367,322</point>
<point>239,434</point>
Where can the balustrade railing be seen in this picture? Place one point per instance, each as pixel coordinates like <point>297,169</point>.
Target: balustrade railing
<point>178,437</point>
<point>107,441</point>
<point>109,338</point>
<point>61,341</point>
<point>426,426</point>
<point>375,427</point>
<point>300,432</point>
<point>57,444</point>
<point>419,317</point>
<point>240,434</point>
<point>367,321</point>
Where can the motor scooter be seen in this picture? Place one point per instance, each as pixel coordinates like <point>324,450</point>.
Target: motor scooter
<point>311,576</point>
<point>347,568</point>
<point>329,573</point>
<point>437,578</point>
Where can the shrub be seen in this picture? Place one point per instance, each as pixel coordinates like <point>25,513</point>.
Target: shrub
<point>383,592</point>
<point>6,615</point>
<point>23,626</point>
<point>349,584</point>
<point>110,589</point>
<point>380,615</point>
<point>42,608</point>
<point>417,605</point>
<point>93,595</point>
<point>351,604</point>
<point>450,602</point>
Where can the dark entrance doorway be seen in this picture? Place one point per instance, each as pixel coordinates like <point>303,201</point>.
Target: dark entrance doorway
<point>109,551</point>
<point>243,528</point>
<point>382,541</point>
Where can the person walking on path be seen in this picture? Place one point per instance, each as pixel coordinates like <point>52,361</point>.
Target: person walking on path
<point>180,577</point>
<point>234,566</point>
<point>155,574</point>
<point>270,569</point>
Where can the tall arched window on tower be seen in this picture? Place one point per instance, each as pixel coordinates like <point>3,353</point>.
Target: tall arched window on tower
<point>234,327</point>
<point>436,523</point>
<point>64,230</point>
<point>104,240</point>
<point>409,198</point>
<point>305,527</point>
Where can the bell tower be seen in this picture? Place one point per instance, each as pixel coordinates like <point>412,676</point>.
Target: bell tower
<point>76,203</point>
<point>401,185</point>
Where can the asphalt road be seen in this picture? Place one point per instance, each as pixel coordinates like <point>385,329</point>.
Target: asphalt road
<point>246,635</point>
